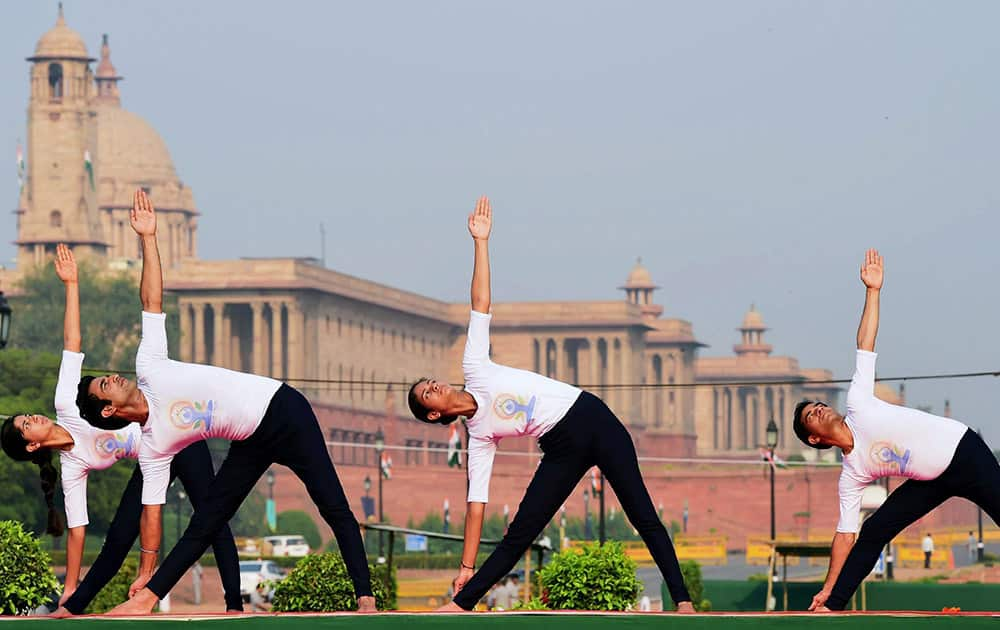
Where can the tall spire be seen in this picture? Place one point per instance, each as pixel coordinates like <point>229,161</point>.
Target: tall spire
<point>107,77</point>
<point>61,19</point>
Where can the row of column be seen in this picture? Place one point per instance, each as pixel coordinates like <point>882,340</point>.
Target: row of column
<point>741,415</point>
<point>261,337</point>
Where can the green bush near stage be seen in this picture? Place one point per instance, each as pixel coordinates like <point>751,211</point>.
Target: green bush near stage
<point>594,577</point>
<point>116,590</point>
<point>320,583</point>
<point>26,577</point>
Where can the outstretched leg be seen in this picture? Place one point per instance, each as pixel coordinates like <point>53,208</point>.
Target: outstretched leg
<point>905,505</point>
<point>616,457</point>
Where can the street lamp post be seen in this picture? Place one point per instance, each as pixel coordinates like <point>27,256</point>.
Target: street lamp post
<point>379,446</point>
<point>368,484</point>
<point>980,547</point>
<point>270,484</point>
<point>586,514</point>
<point>772,441</point>
<point>5,315</point>
<point>600,527</point>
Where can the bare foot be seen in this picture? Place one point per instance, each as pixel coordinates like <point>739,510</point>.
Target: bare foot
<point>686,608</point>
<point>451,607</point>
<point>141,604</point>
<point>60,613</point>
<point>821,609</point>
<point>366,604</point>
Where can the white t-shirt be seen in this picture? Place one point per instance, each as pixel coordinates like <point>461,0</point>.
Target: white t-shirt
<point>889,441</point>
<point>511,402</point>
<point>93,448</point>
<point>189,402</point>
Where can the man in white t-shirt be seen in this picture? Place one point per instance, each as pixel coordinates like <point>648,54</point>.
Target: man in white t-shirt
<point>928,548</point>
<point>178,404</point>
<point>940,458</point>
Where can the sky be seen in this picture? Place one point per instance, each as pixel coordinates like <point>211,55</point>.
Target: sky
<point>749,152</point>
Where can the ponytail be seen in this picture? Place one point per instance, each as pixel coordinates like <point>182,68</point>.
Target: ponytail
<point>50,479</point>
<point>16,448</point>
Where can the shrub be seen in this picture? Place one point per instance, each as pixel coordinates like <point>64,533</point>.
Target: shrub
<point>26,577</point>
<point>116,590</point>
<point>592,578</point>
<point>535,604</point>
<point>691,571</point>
<point>320,583</point>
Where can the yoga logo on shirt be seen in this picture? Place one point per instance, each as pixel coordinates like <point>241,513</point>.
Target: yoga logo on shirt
<point>890,457</point>
<point>188,415</point>
<point>116,445</point>
<point>511,407</point>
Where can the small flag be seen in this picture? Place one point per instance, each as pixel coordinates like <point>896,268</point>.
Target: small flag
<point>454,446</point>
<point>89,166</point>
<point>20,168</point>
<point>777,462</point>
<point>386,465</point>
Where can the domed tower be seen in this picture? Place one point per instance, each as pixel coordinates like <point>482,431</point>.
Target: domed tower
<point>59,201</point>
<point>639,289</point>
<point>133,155</point>
<point>752,331</point>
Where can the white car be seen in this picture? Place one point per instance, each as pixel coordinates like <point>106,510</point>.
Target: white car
<point>253,572</point>
<point>295,546</point>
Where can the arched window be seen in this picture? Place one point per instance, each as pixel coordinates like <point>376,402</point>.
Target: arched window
<point>55,219</point>
<point>55,81</point>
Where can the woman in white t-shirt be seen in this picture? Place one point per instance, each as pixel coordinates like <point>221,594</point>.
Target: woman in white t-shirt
<point>574,429</point>
<point>940,458</point>
<point>83,448</point>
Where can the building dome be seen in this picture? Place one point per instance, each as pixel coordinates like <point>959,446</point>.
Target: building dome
<point>61,42</point>
<point>130,153</point>
<point>639,277</point>
<point>753,320</point>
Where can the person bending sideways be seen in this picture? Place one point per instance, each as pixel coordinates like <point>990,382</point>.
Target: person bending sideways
<point>575,430</point>
<point>940,457</point>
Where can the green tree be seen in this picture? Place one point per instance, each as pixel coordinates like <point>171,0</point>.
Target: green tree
<point>298,522</point>
<point>109,316</point>
<point>251,518</point>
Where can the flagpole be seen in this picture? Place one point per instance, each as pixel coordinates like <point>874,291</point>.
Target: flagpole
<point>600,526</point>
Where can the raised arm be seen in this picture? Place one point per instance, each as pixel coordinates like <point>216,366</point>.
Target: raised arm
<point>480,223</point>
<point>66,270</point>
<point>871,276</point>
<point>143,219</point>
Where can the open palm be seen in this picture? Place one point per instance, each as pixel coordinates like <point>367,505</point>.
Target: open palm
<point>65,264</point>
<point>142,217</point>
<point>871,270</point>
<point>481,221</point>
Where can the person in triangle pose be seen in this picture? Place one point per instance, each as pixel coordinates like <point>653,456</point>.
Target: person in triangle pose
<point>940,457</point>
<point>575,431</point>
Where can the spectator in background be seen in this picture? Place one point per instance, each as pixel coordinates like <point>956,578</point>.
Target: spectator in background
<point>928,546</point>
